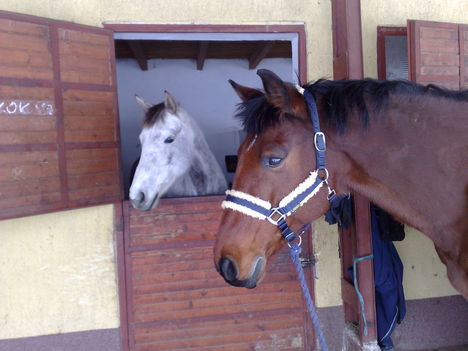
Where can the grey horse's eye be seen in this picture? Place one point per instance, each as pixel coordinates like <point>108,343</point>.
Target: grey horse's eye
<point>169,140</point>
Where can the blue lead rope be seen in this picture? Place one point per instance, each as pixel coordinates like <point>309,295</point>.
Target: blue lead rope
<point>294,253</point>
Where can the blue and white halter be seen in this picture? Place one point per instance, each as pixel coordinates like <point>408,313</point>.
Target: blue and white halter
<point>257,208</point>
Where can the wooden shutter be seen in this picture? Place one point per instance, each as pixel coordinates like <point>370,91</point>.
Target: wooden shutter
<point>438,53</point>
<point>59,141</point>
<point>175,299</point>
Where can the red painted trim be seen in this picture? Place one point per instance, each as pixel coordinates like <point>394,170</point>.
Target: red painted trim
<point>116,112</point>
<point>462,29</point>
<point>413,48</point>
<point>119,219</point>
<point>348,64</point>
<point>8,213</point>
<point>86,86</point>
<point>130,337</point>
<point>92,145</point>
<point>23,82</point>
<point>365,269</point>
<point>382,33</point>
<point>59,117</point>
<point>202,28</point>
<point>27,147</point>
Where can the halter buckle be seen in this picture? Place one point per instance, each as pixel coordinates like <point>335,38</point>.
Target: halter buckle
<point>275,211</point>
<point>319,142</point>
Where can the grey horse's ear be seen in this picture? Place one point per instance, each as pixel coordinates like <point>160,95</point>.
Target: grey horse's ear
<point>169,103</point>
<point>143,104</point>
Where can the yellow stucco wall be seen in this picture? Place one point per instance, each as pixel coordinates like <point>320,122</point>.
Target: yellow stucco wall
<point>58,273</point>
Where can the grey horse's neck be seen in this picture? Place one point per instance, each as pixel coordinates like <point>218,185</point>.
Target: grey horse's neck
<point>204,176</point>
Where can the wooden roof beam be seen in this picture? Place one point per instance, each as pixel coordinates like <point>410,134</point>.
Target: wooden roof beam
<point>138,53</point>
<point>259,53</point>
<point>201,55</point>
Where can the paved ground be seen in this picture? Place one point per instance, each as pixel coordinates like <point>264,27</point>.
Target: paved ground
<point>453,348</point>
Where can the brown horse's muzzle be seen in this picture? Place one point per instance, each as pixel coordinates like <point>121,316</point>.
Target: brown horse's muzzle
<point>227,267</point>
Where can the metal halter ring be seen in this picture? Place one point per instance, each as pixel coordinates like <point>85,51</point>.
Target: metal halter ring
<point>298,244</point>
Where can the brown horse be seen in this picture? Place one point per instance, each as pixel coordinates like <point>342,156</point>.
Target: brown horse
<point>402,145</point>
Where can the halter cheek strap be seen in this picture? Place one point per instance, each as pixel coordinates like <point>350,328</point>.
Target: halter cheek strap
<point>257,208</point>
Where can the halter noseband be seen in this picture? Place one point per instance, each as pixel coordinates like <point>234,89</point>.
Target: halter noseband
<point>257,208</point>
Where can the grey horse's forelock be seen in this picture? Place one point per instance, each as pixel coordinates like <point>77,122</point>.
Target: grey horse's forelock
<point>154,114</point>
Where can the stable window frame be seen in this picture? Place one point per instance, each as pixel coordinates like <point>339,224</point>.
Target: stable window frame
<point>382,33</point>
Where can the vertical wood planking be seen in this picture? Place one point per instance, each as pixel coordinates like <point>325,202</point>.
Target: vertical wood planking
<point>177,300</point>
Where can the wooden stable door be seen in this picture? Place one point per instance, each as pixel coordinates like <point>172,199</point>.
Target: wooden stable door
<point>59,139</point>
<point>175,299</point>
<point>438,53</point>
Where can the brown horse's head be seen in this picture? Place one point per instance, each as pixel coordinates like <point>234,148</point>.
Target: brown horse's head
<point>276,156</point>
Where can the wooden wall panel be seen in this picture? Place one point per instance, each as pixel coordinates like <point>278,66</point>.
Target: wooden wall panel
<point>58,116</point>
<point>177,300</point>
<point>29,180</point>
<point>25,50</point>
<point>27,115</point>
<point>92,174</point>
<point>89,116</point>
<point>85,57</point>
<point>434,51</point>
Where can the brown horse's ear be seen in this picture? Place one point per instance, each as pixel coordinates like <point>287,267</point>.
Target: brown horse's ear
<point>276,90</point>
<point>169,103</point>
<point>143,104</point>
<point>245,93</point>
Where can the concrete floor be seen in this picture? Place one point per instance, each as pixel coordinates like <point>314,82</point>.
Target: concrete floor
<point>452,348</point>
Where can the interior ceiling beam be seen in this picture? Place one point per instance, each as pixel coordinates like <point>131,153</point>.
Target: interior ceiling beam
<point>259,53</point>
<point>201,55</point>
<point>138,53</point>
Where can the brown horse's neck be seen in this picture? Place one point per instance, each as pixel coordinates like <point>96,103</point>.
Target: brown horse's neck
<point>408,149</point>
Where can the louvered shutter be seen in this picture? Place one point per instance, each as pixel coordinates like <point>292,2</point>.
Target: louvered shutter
<point>438,53</point>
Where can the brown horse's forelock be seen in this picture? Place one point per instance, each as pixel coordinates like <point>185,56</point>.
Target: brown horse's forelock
<point>153,114</point>
<point>340,99</point>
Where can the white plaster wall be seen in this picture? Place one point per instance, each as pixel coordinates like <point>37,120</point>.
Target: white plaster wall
<point>206,95</point>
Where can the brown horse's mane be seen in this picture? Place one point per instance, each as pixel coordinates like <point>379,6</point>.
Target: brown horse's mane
<point>154,114</point>
<point>340,98</point>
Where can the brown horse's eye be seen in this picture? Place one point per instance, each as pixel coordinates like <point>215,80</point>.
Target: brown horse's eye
<point>272,161</point>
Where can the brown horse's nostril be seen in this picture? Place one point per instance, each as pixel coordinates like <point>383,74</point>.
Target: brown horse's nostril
<point>228,270</point>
